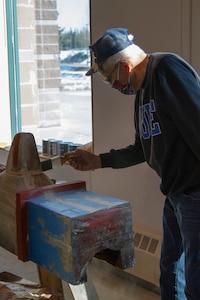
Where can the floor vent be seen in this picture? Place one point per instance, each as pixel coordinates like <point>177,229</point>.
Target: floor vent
<point>147,254</point>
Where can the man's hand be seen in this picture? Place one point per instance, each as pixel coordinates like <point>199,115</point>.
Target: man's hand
<point>83,160</point>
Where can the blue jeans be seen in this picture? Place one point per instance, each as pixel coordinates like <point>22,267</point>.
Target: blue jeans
<point>180,254</point>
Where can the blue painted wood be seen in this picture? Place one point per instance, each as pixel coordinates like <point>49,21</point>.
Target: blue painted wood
<point>67,229</point>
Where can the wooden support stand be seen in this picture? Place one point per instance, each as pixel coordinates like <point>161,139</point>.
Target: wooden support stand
<point>84,291</point>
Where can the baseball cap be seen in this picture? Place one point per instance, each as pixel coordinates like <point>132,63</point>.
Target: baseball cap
<point>113,41</point>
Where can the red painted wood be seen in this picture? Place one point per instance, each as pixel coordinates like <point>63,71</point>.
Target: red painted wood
<point>17,150</point>
<point>21,211</point>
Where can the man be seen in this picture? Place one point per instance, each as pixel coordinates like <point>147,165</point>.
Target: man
<point>167,123</point>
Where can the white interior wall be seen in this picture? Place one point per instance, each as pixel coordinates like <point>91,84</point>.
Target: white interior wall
<point>194,37</point>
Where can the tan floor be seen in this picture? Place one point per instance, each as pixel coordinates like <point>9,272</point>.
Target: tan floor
<point>110,283</point>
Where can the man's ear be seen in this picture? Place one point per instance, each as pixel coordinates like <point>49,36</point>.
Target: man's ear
<point>126,66</point>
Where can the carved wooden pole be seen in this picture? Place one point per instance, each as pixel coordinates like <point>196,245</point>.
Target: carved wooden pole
<point>23,172</point>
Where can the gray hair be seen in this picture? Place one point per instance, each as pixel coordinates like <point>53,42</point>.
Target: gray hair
<point>133,54</point>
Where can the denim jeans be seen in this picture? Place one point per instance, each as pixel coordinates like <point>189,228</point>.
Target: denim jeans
<point>180,254</point>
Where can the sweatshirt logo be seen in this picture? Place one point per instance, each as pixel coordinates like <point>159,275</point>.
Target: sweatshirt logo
<point>148,126</point>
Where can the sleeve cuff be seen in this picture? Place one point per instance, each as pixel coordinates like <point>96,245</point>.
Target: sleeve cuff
<point>106,160</point>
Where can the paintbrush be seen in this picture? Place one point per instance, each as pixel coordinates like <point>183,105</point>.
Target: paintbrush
<point>53,163</point>
<point>46,165</point>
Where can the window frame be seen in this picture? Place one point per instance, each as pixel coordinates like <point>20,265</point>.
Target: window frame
<point>13,66</point>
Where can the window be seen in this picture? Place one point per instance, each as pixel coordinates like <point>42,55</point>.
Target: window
<point>5,124</point>
<point>52,46</point>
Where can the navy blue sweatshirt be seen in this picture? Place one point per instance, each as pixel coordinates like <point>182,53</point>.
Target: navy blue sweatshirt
<point>167,122</point>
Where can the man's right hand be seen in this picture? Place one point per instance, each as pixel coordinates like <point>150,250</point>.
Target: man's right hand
<point>83,160</point>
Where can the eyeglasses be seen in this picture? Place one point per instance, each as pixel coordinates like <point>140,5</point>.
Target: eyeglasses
<point>108,79</point>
